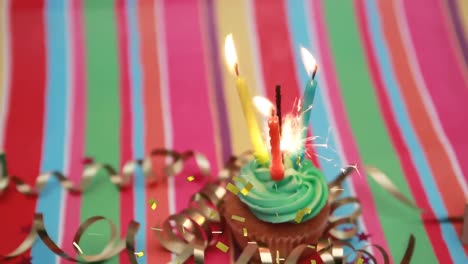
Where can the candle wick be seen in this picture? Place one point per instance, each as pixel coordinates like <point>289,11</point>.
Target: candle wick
<point>278,106</point>
<point>314,72</point>
<point>236,69</point>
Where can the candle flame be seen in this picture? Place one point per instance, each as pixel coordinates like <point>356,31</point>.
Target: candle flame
<point>263,105</point>
<point>230,54</point>
<point>309,61</point>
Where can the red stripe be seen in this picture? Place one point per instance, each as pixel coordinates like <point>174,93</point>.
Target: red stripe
<point>276,54</point>
<point>126,195</point>
<point>445,177</point>
<point>24,126</point>
<point>434,232</point>
<point>154,124</point>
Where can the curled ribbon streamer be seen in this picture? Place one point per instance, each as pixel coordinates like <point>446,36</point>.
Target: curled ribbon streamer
<point>123,180</point>
<point>383,180</point>
<point>89,173</point>
<point>112,248</point>
<point>190,232</point>
<point>334,222</point>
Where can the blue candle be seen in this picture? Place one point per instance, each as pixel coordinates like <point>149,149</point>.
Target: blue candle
<point>307,101</point>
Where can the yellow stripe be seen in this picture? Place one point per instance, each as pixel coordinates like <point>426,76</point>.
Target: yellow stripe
<point>463,7</point>
<point>232,17</point>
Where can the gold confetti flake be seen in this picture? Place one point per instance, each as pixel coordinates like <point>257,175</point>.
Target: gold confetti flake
<point>245,231</point>
<point>232,188</point>
<point>360,261</point>
<point>212,214</point>
<point>299,216</point>
<point>311,246</point>
<point>239,179</point>
<point>246,189</point>
<point>157,229</point>
<point>153,203</point>
<point>221,246</point>
<point>216,232</point>
<point>307,210</point>
<point>190,178</point>
<point>312,261</point>
<point>238,218</point>
<point>140,254</point>
<point>77,247</point>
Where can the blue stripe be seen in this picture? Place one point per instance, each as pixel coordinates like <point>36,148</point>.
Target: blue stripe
<point>138,125</point>
<point>54,135</point>
<point>417,153</point>
<point>301,33</point>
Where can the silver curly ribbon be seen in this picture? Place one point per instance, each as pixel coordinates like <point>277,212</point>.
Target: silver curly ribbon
<point>192,233</point>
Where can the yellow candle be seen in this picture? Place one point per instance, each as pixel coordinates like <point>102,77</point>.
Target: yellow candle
<point>260,151</point>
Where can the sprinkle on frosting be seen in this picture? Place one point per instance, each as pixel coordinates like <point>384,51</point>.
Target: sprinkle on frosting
<point>304,189</point>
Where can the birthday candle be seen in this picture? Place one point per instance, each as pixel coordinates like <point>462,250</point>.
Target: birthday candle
<point>260,151</point>
<point>308,99</point>
<point>309,92</point>
<point>276,166</point>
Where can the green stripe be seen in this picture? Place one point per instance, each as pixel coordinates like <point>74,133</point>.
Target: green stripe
<point>102,119</point>
<point>370,133</point>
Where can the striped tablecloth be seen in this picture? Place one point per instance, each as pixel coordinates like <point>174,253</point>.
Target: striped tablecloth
<point>113,79</point>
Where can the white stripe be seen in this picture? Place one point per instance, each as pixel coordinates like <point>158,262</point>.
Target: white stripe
<point>422,88</point>
<point>4,104</point>
<point>165,95</point>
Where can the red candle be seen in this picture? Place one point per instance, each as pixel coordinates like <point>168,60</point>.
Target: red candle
<point>276,167</point>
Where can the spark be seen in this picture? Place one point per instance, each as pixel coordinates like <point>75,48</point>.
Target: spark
<point>322,157</point>
<point>307,109</point>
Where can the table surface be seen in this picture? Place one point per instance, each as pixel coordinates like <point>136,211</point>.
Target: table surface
<point>111,80</point>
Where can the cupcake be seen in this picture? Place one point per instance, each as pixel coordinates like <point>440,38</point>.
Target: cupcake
<point>277,214</point>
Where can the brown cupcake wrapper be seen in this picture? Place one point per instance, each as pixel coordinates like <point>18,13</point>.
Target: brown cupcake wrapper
<point>281,244</point>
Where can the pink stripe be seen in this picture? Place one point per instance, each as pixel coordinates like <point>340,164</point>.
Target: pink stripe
<point>445,80</point>
<point>73,202</point>
<point>343,129</point>
<point>189,98</point>
<point>126,195</point>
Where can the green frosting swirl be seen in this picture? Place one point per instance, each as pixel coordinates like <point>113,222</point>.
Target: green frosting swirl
<point>279,202</point>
